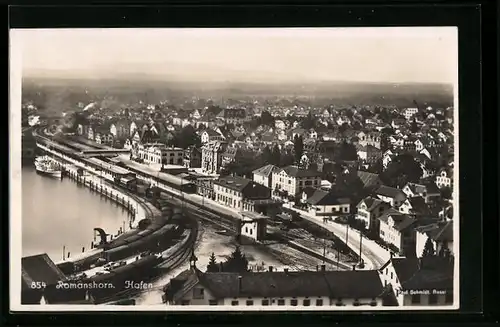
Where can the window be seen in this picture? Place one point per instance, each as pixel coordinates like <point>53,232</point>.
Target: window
<point>306,302</point>
<point>265,302</point>
<point>319,302</point>
<point>249,302</point>
<point>212,302</point>
<point>185,302</point>
<point>391,275</point>
<point>251,231</point>
<point>281,302</point>
<point>293,302</point>
<point>433,299</point>
<point>198,293</point>
<point>234,303</point>
<point>246,229</point>
<point>415,299</point>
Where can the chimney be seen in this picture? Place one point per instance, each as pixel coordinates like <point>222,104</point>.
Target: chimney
<point>270,268</point>
<point>239,283</point>
<point>323,267</point>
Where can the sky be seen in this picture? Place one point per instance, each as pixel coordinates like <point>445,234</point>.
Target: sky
<point>427,54</point>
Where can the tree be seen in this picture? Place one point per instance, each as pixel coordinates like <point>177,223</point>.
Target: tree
<point>212,264</point>
<point>237,262</point>
<point>414,127</point>
<point>309,122</point>
<point>276,155</point>
<point>266,118</point>
<point>267,155</point>
<point>187,137</point>
<point>343,127</point>
<point>347,152</point>
<point>298,147</point>
<point>384,115</point>
<point>428,249</point>
<point>401,170</point>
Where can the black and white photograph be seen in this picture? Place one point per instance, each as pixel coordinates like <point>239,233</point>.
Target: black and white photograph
<point>234,169</point>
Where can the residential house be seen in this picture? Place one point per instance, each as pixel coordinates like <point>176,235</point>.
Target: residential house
<point>370,138</point>
<point>328,204</point>
<point>279,124</point>
<point>387,157</point>
<point>396,228</point>
<point>120,129</point>
<point>398,122</point>
<point>311,134</point>
<point>415,206</point>
<point>341,120</point>
<point>297,289</point>
<point>420,282</point>
<point>157,153</point>
<point>428,191</point>
<point>439,233</point>
<point>82,130</point>
<point>369,210</point>
<point>196,114</point>
<point>210,135</point>
<point>369,153</point>
<point>240,193</point>
<point>291,180</point>
<point>264,175</point>
<point>236,154</point>
<point>394,196</point>
<point>233,116</point>
<point>410,112</point>
<point>444,178</point>
<point>211,156</point>
<point>192,157</point>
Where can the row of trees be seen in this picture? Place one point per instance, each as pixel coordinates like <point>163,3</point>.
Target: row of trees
<point>237,262</point>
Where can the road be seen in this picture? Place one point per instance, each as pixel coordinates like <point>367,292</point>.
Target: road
<point>372,254</point>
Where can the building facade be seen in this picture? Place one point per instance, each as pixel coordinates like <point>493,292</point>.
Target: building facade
<point>157,153</point>
<point>292,180</point>
<point>211,156</point>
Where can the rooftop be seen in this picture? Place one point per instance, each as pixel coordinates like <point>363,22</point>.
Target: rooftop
<point>40,268</point>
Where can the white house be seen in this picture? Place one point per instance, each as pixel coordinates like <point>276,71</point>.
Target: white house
<point>395,197</point>
<point>396,229</point>
<point>157,153</point>
<point>444,178</point>
<point>292,180</point>
<point>253,226</point>
<point>210,135</point>
<point>264,175</point>
<point>299,289</point>
<point>369,210</point>
<point>328,204</point>
<point>414,206</point>
<point>429,191</point>
<point>409,112</point>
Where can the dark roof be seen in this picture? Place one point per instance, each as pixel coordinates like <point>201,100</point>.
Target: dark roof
<point>427,187</point>
<point>233,182</point>
<point>335,284</point>
<point>40,268</point>
<point>390,192</point>
<point>370,202</point>
<point>211,132</point>
<point>297,172</point>
<point>425,273</point>
<point>440,232</point>
<point>368,179</point>
<point>418,205</point>
<point>266,170</point>
<point>401,220</point>
<point>309,191</point>
<point>321,197</point>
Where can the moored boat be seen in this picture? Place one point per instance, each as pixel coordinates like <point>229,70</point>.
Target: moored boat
<point>45,166</point>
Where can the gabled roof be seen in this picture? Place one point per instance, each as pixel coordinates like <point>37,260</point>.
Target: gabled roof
<point>418,205</point>
<point>296,172</point>
<point>390,192</point>
<point>368,179</point>
<point>266,170</point>
<point>321,197</point>
<point>401,220</point>
<point>370,202</point>
<point>427,273</point>
<point>335,284</point>
<point>439,232</point>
